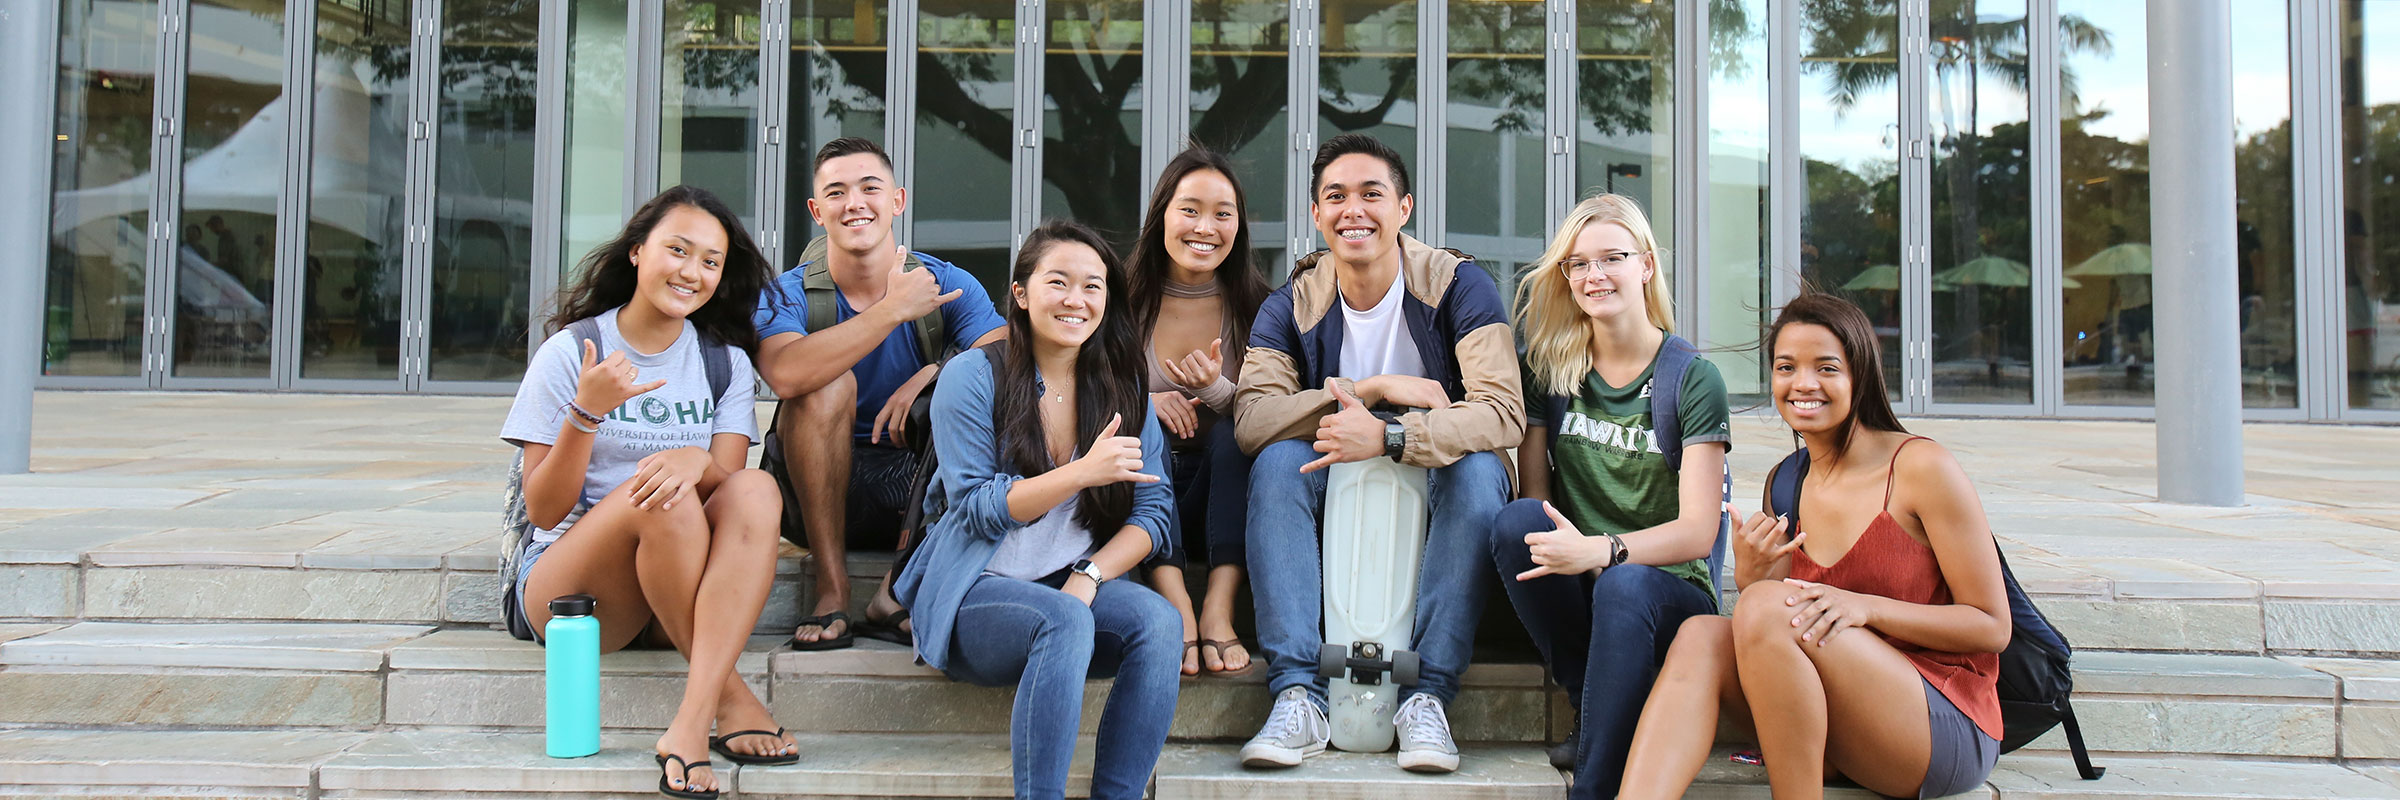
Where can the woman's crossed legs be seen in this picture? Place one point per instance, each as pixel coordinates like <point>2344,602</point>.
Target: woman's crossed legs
<point>664,564</point>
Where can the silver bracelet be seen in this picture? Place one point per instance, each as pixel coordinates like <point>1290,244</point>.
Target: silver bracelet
<point>572,414</point>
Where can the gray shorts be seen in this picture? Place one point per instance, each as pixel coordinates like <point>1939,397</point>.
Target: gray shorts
<point>533,550</point>
<point>1961,755</point>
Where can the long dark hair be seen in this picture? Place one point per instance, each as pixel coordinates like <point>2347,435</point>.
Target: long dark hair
<point>1110,378</point>
<point>605,278</point>
<point>1238,280</point>
<point>1870,407</point>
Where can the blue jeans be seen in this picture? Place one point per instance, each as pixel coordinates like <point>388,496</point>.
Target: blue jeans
<point>1604,638</point>
<point>1046,643</point>
<point>1286,566</point>
<point>1208,522</point>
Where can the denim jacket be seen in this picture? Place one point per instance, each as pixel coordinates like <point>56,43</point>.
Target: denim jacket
<point>972,489</point>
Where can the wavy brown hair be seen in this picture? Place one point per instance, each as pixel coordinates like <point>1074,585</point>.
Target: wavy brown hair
<point>1870,406</point>
<point>1111,377</point>
<point>606,276</point>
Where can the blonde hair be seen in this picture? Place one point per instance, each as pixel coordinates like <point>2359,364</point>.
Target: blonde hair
<point>1556,333</point>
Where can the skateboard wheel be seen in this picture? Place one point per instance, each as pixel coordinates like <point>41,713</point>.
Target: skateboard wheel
<point>1404,668</point>
<point>1330,658</point>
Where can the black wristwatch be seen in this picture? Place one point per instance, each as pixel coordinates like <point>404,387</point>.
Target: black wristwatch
<point>1395,439</point>
<point>1618,555</point>
<point>1089,570</point>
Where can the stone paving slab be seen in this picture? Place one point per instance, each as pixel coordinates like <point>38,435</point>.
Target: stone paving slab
<point>2197,675</point>
<point>50,542</point>
<point>931,765</point>
<point>10,633</point>
<point>1485,772</point>
<point>446,764</point>
<point>284,594</point>
<point>388,548</point>
<point>272,646</point>
<point>264,759</point>
<point>496,651</point>
<point>2361,679</point>
<point>2042,777</point>
<point>273,546</point>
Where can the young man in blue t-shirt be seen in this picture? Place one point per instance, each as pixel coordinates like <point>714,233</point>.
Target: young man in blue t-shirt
<point>847,388</point>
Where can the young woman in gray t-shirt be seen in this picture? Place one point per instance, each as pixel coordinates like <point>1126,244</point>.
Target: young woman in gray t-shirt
<point>633,469</point>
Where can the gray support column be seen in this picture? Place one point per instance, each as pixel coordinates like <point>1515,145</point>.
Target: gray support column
<point>1788,191</point>
<point>2191,212</point>
<point>900,105</point>
<point>1690,182</point>
<point>1432,217</point>
<point>1302,103</point>
<point>29,32</point>
<point>2317,204</point>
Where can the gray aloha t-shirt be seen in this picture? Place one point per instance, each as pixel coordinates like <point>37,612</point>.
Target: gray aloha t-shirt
<point>678,414</point>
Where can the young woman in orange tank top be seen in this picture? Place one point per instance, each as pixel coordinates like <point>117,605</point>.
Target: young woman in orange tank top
<point>1895,544</point>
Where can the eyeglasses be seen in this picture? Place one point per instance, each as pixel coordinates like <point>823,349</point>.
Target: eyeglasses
<point>1613,261</point>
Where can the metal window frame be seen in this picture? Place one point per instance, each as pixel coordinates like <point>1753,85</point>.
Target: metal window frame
<point>900,105</point>
<point>1300,108</point>
<point>2316,52</point>
<point>1916,209</point>
<point>1786,192</point>
<point>549,173</point>
<point>170,174</point>
<point>428,177</point>
<point>1430,222</point>
<point>2048,207</point>
<point>771,188</point>
<point>1558,109</point>
<point>1025,169</point>
<point>1166,86</point>
<point>139,377</point>
<point>1689,165</point>
<point>645,24</point>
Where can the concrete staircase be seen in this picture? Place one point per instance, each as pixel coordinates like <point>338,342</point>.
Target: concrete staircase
<point>288,607</point>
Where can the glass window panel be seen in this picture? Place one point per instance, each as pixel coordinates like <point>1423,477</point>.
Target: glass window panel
<point>1241,69</point>
<point>1849,150</point>
<point>837,89</point>
<point>358,154</point>
<point>1367,75</point>
<point>1734,296</point>
<point>2263,192</point>
<point>1092,115</point>
<point>233,152</point>
<point>594,194</point>
<point>101,185</point>
<point>1625,106</point>
<point>1498,88</point>
<point>709,126</point>
<point>483,190</point>
<point>966,85</point>
<point>1982,177</point>
<point>2104,168</point>
<point>2371,200</point>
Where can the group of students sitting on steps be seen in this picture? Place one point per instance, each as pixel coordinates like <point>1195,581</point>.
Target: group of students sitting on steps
<point>1123,421</point>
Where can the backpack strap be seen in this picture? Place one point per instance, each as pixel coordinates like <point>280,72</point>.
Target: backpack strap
<point>816,280</point>
<point>1783,487</point>
<point>717,358</point>
<point>1675,355</point>
<point>587,330</point>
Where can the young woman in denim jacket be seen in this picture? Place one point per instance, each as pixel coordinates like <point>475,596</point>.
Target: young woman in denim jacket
<point>1044,505</point>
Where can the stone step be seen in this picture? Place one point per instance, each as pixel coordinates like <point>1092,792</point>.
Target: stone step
<point>352,676</point>
<point>398,765</point>
<point>437,566</point>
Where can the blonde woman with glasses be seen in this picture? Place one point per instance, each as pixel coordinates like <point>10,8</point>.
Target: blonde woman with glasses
<point>1621,468</point>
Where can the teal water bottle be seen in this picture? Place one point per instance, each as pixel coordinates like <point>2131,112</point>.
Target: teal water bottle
<point>571,678</point>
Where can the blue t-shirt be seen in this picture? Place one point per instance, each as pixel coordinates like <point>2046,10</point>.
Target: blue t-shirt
<point>965,319</point>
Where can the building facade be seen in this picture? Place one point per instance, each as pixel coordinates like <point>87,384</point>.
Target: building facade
<point>380,195</point>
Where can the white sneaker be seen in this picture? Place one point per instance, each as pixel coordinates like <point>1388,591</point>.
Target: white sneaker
<point>1296,729</point>
<point>1425,744</point>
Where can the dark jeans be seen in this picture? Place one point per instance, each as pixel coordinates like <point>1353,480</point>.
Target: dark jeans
<point>1603,637</point>
<point>1209,524</point>
<point>1046,643</point>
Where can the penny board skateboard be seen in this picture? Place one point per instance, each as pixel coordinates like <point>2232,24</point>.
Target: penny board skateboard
<point>1375,520</point>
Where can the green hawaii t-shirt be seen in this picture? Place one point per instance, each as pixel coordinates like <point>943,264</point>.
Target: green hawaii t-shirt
<point>1607,473</point>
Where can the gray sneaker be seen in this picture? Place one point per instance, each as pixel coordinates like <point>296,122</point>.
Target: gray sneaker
<point>1425,744</point>
<point>1296,729</point>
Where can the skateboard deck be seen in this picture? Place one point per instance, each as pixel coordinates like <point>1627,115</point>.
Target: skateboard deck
<point>1375,519</point>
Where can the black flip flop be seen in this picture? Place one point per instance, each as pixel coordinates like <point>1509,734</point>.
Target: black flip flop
<point>888,629</point>
<point>824,622</point>
<point>688,766</point>
<point>723,747</point>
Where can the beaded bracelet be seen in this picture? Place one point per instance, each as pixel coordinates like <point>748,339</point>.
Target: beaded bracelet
<point>577,423</point>
<point>587,416</point>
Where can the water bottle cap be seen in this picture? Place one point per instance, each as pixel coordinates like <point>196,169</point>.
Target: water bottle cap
<point>573,605</point>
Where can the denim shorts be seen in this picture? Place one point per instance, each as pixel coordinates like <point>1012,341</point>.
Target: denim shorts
<point>1961,756</point>
<point>533,550</point>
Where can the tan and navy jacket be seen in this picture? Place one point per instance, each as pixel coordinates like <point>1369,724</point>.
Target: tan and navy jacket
<point>1455,316</point>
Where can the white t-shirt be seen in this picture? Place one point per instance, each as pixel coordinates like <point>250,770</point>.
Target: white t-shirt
<point>679,414</point>
<point>1375,341</point>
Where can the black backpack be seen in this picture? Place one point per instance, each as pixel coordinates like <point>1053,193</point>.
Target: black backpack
<point>516,529</point>
<point>2036,682</point>
<point>1675,357</point>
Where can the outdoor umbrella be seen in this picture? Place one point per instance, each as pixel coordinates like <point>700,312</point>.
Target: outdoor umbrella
<point>1881,277</point>
<point>2123,259</point>
<point>1991,271</point>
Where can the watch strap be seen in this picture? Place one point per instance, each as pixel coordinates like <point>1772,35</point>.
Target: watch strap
<point>1617,554</point>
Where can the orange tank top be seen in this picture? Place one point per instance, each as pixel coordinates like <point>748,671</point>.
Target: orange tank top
<point>1887,562</point>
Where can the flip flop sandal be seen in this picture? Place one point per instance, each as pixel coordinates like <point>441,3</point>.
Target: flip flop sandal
<point>1219,645</point>
<point>723,745</point>
<point>888,629</point>
<point>824,622</point>
<point>1191,646</point>
<point>688,766</point>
